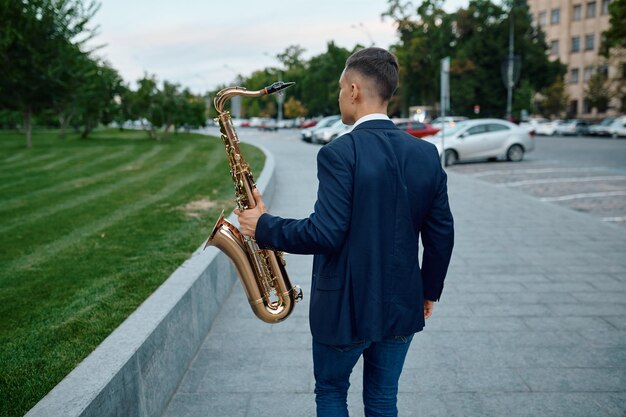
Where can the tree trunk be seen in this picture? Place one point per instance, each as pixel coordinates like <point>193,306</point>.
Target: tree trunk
<point>28,127</point>
<point>65,123</point>
<point>86,130</point>
<point>166,130</point>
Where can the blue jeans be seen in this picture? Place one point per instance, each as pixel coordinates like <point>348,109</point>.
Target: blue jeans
<point>382,365</point>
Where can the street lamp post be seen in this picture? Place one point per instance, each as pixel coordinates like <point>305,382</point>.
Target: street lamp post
<point>509,70</point>
<point>280,96</point>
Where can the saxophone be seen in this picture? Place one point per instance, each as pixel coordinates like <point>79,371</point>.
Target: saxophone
<point>261,271</point>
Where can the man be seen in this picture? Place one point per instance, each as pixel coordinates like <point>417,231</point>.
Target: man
<point>379,188</point>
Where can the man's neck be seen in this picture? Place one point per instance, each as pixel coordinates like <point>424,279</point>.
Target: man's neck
<point>360,112</point>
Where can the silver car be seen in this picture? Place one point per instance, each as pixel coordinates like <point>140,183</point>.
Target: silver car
<point>328,134</point>
<point>483,139</point>
<point>307,134</point>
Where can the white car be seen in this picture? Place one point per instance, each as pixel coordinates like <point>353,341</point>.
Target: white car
<point>572,127</point>
<point>547,128</point>
<point>330,133</point>
<point>602,128</point>
<point>307,134</point>
<point>618,127</point>
<point>532,124</point>
<point>483,139</point>
<point>448,121</point>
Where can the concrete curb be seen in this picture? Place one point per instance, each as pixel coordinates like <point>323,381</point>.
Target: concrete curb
<point>137,368</point>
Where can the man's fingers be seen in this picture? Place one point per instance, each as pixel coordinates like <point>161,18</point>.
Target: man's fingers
<point>259,200</point>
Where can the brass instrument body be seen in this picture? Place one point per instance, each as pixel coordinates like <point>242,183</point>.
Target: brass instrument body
<point>261,271</point>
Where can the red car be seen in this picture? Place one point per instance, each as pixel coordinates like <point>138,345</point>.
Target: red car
<point>415,128</point>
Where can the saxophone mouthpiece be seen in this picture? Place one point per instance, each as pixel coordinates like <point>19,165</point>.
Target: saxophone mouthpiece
<point>278,86</point>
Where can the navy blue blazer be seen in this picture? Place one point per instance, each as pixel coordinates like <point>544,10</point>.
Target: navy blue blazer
<point>379,188</point>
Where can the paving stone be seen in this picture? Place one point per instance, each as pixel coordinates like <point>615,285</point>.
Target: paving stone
<point>532,321</point>
<point>207,405</point>
<point>567,323</point>
<point>574,379</point>
<point>540,404</point>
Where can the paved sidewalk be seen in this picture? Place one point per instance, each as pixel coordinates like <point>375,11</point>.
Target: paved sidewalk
<point>532,321</point>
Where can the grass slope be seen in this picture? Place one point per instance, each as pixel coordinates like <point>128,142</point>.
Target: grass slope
<point>88,230</point>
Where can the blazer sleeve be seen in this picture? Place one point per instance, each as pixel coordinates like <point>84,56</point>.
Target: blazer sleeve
<point>326,228</point>
<point>438,239</point>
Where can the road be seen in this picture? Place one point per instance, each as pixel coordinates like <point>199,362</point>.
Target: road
<point>582,151</point>
<point>585,174</point>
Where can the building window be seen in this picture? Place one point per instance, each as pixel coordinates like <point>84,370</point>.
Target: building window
<point>554,48</point>
<point>575,44</point>
<point>605,6</point>
<point>573,76</point>
<point>590,42</point>
<point>578,12</point>
<point>555,16</point>
<point>586,106</point>
<point>591,9</point>
<point>542,18</point>
<point>588,73</point>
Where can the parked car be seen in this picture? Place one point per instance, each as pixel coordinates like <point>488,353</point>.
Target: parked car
<point>415,128</point>
<point>547,128</point>
<point>307,134</point>
<point>307,123</point>
<point>602,128</point>
<point>448,121</point>
<point>572,127</point>
<point>532,124</point>
<point>328,134</point>
<point>268,124</point>
<point>483,139</point>
<point>286,124</point>
<point>618,127</point>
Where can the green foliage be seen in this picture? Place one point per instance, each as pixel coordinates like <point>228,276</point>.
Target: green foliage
<point>320,83</point>
<point>615,37</point>
<point>294,108</point>
<point>37,38</point>
<point>523,99</point>
<point>476,38</point>
<point>553,99</point>
<point>90,229</point>
<point>597,92</point>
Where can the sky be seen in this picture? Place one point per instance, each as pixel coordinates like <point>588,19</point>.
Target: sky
<point>204,44</point>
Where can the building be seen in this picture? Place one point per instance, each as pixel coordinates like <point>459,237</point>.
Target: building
<point>573,31</point>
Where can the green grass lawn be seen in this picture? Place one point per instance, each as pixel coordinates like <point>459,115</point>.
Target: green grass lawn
<point>88,230</point>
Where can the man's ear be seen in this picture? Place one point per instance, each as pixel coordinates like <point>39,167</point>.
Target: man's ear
<point>355,92</point>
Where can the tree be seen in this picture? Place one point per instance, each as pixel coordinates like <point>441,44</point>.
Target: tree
<point>597,92</point>
<point>294,108</point>
<point>96,94</point>
<point>36,37</point>
<point>615,37</point>
<point>553,100</point>
<point>320,86</point>
<point>142,105</point>
<point>476,39</point>
<point>613,48</point>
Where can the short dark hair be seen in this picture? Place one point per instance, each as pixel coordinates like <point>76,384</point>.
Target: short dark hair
<point>379,65</point>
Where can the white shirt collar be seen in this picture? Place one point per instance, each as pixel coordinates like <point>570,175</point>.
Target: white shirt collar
<point>371,116</point>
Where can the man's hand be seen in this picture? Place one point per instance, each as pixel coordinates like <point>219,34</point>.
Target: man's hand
<point>429,306</point>
<point>249,218</point>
